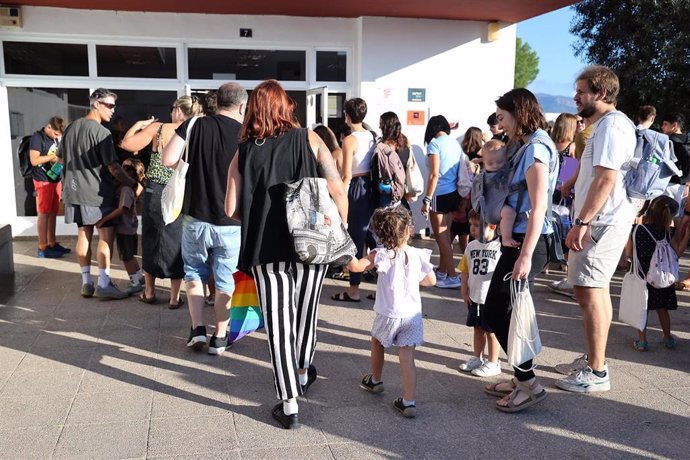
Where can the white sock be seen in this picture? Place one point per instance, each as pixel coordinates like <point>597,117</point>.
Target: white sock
<point>86,275</point>
<point>290,406</point>
<point>219,332</point>
<point>103,277</point>
<point>136,277</point>
<point>303,378</point>
<point>408,403</point>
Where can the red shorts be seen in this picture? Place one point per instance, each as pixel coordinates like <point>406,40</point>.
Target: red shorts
<point>48,196</point>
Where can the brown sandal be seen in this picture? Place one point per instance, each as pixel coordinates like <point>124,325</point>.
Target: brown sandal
<point>148,300</point>
<point>528,390</point>
<point>180,302</point>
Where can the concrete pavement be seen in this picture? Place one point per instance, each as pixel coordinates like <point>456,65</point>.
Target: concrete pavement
<point>81,378</point>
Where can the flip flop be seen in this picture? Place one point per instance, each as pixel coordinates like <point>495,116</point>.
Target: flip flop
<point>371,296</point>
<point>640,345</point>
<point>344,297</point>
<point>148,300</point>
<point>179,303</point>
<point>534,398</point>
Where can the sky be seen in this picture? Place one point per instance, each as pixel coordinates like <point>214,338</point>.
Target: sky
<point>548,35</point>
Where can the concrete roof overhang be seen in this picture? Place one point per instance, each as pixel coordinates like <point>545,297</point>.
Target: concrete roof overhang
<point>472,10</point>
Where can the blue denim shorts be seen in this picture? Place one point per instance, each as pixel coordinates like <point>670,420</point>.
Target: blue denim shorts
<point>204,244</point>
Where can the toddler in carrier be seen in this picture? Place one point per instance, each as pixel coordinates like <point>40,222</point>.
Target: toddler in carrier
<point>494,155</point>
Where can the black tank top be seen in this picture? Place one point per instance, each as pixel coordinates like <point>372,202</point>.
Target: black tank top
<point>264,169</point>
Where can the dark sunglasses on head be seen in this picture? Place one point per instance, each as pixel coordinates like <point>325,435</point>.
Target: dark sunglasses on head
<point>107,104</point>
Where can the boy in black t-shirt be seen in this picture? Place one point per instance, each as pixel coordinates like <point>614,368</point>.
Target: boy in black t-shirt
<point>47,183</point>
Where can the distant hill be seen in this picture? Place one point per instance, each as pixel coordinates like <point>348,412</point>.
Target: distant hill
<point>556,104</point>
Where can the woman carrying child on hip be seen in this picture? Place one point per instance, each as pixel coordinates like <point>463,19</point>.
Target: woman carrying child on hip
<point>476,269</point>
<point>656,226</point>
<point>401,269</point>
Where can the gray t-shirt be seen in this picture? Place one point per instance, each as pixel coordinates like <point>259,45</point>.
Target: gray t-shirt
<point>86,150</point>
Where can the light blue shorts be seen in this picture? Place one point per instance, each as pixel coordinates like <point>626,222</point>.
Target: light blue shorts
<point>202,242</point>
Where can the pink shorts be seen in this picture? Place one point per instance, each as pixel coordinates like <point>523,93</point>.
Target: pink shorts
<point>48,196</point>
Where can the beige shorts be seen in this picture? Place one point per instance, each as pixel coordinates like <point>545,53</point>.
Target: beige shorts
<point>595,264</point>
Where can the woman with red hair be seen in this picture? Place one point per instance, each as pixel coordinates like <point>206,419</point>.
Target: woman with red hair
<point>275,150</point>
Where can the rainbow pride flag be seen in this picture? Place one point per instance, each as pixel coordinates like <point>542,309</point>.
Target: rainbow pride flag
<point>245,312</point>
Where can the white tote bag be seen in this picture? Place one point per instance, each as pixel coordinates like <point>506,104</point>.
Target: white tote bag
<point>414,181</point>
<point>524,342</point>
<point>172,196</point>
<point>632,309</point>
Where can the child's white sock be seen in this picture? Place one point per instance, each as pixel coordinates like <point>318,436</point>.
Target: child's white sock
<point>86,275</point>
<point>374,381</point>
<point>303,378</point>
<point>290,406</point>
<point>408,403</point>
<point>103,277</point>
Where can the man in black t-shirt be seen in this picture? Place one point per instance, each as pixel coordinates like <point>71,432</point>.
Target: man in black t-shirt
<point>209,236</point>
<point>46,176</point>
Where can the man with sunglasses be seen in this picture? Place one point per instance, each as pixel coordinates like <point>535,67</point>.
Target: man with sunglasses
<point>89,189</point>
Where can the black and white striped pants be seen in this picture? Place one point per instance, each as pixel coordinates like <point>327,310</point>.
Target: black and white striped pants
<point>289,295</point>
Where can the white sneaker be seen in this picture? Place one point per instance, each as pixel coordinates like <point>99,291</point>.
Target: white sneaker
<point>577,365</point>
<point>563,287</point>
<point>585,381</point>
<point>449,282</point>
<point>471,364</point>
<point>488,369</point>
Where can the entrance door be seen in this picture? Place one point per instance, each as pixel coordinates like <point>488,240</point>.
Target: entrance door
<point>317,111</point>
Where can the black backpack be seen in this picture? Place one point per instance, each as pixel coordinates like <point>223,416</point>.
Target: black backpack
<point>25,166</point>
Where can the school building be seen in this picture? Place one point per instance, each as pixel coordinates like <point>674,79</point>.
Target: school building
<point>418,59</point>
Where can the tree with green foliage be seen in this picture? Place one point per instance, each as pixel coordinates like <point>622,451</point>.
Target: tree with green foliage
<point>647,44</point>
<point>526,64</point>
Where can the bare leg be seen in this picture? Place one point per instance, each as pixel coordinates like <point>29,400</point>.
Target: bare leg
<point>195,298</point>
<point>597,312</point>
<point>42,224</point>
<point>377,356</point>
<point>83,248</point>
<point>221,308</point>
<point>50,229</point>
<point>409,372</point>
<point>175,287</point>
<point>440,224</point>
<point>494,347</point>
<point>150,285</point>
<point>665,320</point>
<point>104,251</point>
<point>508,216</point>
<point>479,342</point>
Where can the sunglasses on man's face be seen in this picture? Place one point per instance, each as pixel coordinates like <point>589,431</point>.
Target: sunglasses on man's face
<point>107,105</point>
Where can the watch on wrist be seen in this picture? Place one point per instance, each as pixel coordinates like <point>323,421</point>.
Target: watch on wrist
<point>581,222</point>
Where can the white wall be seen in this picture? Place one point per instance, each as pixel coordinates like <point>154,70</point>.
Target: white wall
<point>462,73</point>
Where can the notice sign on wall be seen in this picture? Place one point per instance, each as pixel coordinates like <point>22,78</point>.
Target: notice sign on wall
<point>416,94</point>
<point>415,117</point>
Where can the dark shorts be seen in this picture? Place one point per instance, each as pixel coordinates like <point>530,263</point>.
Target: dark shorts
<point>83,215</point>
<point>444,204</point>
<point>459,228</point>
<point>476,318</point>
<point>126,246</point>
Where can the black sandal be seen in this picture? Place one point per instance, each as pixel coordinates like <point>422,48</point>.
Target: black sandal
<point>148,300</point>
<point>179,303</point>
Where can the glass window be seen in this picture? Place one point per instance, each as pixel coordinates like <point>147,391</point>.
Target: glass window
<point>331,66</point>
<point>221,64</point>
<point>45,59</point>
<point>136,62</point>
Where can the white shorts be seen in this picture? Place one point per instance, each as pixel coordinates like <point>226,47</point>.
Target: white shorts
<point>401,332</point>
<point>595,264</point>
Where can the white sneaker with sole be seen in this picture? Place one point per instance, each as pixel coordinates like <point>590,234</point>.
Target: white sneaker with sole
<point>568,368</point>
<point>563,287</point>
<point>471,364</point>
<point>585,381</point>
<point>488,369</point>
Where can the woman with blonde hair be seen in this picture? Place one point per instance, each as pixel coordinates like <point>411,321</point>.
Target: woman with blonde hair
<point>162,255</point>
